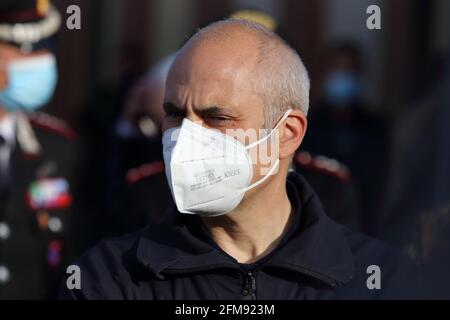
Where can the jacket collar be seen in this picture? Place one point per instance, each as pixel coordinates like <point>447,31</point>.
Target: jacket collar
<point>318,249</point>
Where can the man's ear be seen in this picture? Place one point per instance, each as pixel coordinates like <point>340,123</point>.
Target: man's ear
<point>292,133</point>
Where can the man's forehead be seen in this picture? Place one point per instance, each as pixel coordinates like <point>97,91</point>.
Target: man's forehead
<point>201,73</point>
<point>214,75</point>
<point>7,50</point>
<point>211,73</point>
<point>206,54</point>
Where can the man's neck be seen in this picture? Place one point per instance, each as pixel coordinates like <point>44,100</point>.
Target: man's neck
<point>257,226</point>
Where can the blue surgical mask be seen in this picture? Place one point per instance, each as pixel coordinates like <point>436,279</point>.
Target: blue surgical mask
<point>342,88</point>
<point>31,83</point>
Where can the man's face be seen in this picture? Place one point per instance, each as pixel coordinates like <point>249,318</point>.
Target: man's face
<point>212,84</point>
<point>10,53</point>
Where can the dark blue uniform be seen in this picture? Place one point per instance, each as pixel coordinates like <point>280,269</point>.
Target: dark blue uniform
<point>36,211</point>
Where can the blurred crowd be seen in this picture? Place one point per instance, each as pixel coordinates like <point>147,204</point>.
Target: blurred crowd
<point>62,190</point>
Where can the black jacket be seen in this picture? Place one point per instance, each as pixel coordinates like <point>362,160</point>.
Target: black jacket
<point>319,259</point>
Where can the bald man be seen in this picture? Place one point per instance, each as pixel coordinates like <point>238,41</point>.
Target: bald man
<point>235,106</point>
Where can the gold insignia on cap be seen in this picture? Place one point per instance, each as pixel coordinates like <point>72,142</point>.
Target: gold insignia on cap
<point>42,7</point>
<point>259,17</point>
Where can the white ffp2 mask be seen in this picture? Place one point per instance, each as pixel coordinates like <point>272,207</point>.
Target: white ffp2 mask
<point>208,171</point>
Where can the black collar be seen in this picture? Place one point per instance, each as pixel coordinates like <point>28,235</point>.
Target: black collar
<point>318,249</point>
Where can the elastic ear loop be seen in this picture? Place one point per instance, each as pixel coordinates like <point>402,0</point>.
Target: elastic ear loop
<point>284,117</point>
<point>275,166</point>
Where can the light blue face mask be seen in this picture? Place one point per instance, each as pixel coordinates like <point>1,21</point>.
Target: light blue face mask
<point>31,83</point>
<point>342,87</point>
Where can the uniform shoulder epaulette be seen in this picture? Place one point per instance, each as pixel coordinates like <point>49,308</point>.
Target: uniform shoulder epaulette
<point>144,171</point>
<point>322,164</point>
<point>52,124</point>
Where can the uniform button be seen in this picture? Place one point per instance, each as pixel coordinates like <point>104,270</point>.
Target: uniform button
<point>4,274</point>
<point>244,292</point>
<point>4,231</point>
<point>55,224</point>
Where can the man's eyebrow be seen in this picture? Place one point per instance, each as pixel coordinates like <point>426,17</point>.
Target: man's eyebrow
<point>215,111</point>
<point>170,107</point>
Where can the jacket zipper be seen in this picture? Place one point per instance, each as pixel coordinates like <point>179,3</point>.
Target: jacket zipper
<point>249,290</point>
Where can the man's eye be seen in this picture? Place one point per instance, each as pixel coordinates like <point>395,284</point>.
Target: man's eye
<point>219,119</point>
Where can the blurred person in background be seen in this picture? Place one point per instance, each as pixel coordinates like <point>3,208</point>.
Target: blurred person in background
<point>333,183</point>
<point>137,192</point>
<point>343,127</point>
<point>416,213</point>
<point>37,155</point>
